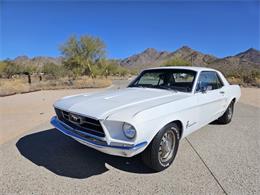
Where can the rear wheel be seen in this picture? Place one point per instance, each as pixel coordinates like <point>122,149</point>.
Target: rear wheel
<point>162,150</point>
<point>227,116</point>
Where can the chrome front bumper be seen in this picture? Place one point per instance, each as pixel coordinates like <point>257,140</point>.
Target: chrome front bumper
<point>100,145</point>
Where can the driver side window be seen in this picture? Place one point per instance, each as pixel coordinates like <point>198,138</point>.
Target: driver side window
<point>209,80</point>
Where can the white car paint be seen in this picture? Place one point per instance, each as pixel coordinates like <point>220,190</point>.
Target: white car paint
<point>148,110</point>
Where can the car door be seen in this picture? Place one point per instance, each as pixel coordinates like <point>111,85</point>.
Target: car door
<point>211,97</point>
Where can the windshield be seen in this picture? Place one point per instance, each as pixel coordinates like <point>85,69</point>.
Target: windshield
<point>168,79</point>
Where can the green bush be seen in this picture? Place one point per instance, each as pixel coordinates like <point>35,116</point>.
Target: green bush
<point>246,76</point>
<point>8,69</point>
<point>54,70</point>
<point>176,62</point>
<point>116,70</point>
<point>3,65</point>
<point>81,54</point>
<point>109,68</point>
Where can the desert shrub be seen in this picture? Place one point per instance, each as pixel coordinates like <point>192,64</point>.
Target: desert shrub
<point>54,70</point>
<point>9,69</point>
<point>109,68</point>
<point>118,70</point>
<point>250,77</point>
<point>134,71</point>
<point>243,76</point>
<point>3,65</point>
<point>81,54</point>
<point>176,62</point>
<point>123,71</point>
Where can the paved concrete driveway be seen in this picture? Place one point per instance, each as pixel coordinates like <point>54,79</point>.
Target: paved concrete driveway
<point>214,160</point>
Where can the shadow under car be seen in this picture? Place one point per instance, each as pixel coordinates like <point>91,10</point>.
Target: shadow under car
<point>66,157</point>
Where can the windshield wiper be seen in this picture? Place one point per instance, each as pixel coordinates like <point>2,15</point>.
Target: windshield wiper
<point>144,86</point>
<point>155,87</point>
<point>166,87</point>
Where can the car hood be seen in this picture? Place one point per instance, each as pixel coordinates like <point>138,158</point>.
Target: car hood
<point>104,104</point>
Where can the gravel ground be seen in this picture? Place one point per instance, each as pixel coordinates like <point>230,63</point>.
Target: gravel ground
<point>250,96</point>
<point>218,159</point>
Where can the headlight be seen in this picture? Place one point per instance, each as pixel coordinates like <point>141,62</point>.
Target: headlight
<point>129,130</point>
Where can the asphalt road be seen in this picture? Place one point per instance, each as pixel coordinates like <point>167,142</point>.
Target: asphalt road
<point>218,159</point>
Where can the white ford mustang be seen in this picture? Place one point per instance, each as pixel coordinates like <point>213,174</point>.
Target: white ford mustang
<point>158,109</point>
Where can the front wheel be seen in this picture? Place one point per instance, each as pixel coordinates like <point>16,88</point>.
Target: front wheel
<point>163,148</point>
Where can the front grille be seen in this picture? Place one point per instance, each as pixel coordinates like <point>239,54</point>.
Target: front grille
<point>80,123</point>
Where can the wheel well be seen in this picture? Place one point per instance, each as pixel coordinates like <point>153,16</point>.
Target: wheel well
<point>179,124</point>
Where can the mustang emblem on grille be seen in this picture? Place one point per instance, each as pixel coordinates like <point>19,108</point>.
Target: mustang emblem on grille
<point>75,119</point>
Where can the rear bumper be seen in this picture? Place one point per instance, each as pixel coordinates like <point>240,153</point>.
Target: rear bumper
<point>93,142</point>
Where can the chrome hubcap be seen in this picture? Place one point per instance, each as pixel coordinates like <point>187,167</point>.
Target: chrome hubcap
<point>166,146</point>
<point>229,112</point>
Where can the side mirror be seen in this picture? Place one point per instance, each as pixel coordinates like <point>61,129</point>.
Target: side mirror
<point>203,89</point>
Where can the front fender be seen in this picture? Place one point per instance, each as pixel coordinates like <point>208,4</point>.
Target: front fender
<point>148,131</point>
<point>149,122</point>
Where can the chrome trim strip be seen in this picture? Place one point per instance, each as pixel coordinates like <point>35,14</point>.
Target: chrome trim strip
<point>82,118</point>
<point>84,121</point>
<point>59,125</point>
<point>62,109</point>
<point>94,131</point>
<point>68,128</point>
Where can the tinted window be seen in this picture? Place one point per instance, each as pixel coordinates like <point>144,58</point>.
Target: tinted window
<point>168,79</point>
<point>210,80</point>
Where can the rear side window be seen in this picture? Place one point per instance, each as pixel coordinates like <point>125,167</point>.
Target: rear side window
<point>183,77</point>
<point>210,80</point>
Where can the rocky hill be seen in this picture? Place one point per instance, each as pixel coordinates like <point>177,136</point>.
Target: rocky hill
<point>251,55</point>
<point>249,59</point>
<point>38,61</point>
<point>151,57</point>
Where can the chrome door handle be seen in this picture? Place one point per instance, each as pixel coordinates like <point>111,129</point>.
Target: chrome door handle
<point>222,92</point>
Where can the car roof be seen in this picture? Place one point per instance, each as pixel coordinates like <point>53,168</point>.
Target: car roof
<point>194,68</point>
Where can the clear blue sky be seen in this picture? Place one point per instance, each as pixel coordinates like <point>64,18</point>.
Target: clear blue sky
<point>220,28</point>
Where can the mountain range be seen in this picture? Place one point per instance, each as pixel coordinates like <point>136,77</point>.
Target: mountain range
<point>38,61</point>
<point>152,57</point>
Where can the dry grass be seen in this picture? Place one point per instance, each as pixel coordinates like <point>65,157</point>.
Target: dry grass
<point>20,85</point>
